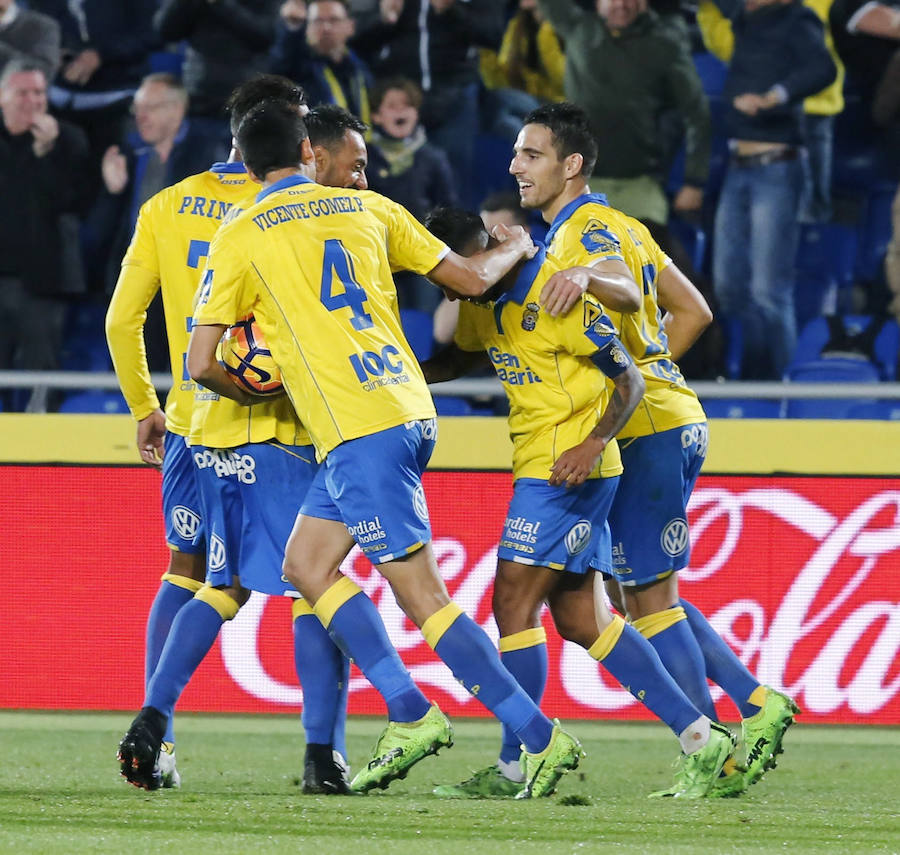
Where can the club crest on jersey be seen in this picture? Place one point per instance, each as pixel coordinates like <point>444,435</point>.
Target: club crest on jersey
<point>186,522</point>
<point>578,537</point>
<point>675,538</point>
<point>596,237</point>
<point>530,316</point>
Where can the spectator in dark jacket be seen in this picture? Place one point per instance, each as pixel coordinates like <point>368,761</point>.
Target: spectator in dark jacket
<point>405,167</point>
<point>313,52</point>
<point>164,149</point>
<point>43,186</point>
<point>28,35</point>
<point>779,59</point>
<point>106,46</point>
<point>227,41</point>
<point>434,43</point>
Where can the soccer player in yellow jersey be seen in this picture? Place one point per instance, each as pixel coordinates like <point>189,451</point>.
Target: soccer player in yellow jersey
<point>276,464</point>
<point>664,443</point>
<point>566,467</point>
<point>314,266</point>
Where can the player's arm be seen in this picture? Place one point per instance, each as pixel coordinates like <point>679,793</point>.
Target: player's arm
<point>609,280</point>
<point>471,277</point>
<point>125,319</point>
<point>203,366</point>
<point>687,312</point>
<point>450,363</point>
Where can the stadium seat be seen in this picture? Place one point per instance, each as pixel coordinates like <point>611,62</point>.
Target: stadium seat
<point>450,405</point>
<point>419,329</point>
<point>692,238</point>
<point>875,411</point>
<point>885,351</point>
<point>832,370</point>
<point>742,408</point>
<point>815,294</point>
<point>828,251</point>
<point>712,73</point>
<point>94,401</point>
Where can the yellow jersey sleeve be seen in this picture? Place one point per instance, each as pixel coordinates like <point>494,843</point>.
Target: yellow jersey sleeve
<point>410,245</point>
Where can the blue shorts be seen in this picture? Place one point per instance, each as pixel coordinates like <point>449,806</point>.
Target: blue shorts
<point>180,497</point>
<point>559,528</point>
<point>251,496</point>
<point>649,515</point>
<point>373,485</point>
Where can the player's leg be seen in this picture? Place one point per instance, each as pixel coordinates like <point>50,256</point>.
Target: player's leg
<point>182,512</point>
<point>396,538</point>
<point>273,481</point>
<point>197,624</point>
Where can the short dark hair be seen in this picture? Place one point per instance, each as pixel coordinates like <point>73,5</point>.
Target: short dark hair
<point>271,137</point>
<point>21,66</point>
<point>327,124</point>
<point>504,201</point>
<point>404,84</point>
<point>571,131</point>
<point>454,226</point>
<point>259,88</point>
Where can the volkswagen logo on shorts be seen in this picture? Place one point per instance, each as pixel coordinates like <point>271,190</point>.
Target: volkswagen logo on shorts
<point>186,522</point>
<point>215,556</point>
<point>578,537</point>
<point>419,504</point>
<point>674,538</point>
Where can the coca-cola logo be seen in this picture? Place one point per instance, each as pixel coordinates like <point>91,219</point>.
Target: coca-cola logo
<point>807,594</point>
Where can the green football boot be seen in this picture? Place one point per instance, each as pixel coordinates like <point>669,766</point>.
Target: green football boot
<point>488,783</point>
<point>764,732</point>
<point>695,774</point>
<point>402,745</point>
<point>544,769</point>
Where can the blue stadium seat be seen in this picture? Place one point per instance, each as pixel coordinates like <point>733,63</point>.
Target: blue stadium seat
<point>692,238</point>
<point>876,411</point>
<point>712,73</point>
<point>94,401</point>
<point>829,251</point>
<point>831,370</point>
<point>886,350</point>
<point>450,405</point>
<point>742,408</point>
<point>815,294</point>
<point>419,329</point>
<point>84,338</point>
<point>491,156</point>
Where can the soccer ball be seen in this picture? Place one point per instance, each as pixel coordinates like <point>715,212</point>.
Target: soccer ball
<point>248,360</point>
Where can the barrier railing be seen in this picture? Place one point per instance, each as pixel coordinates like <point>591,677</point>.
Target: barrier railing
<point>490,386</point>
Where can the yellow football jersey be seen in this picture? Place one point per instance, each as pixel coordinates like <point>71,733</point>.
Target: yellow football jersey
<point>588,230</point>
<point>556,393</point>
<point>171,238</point>
<point>313,264</point>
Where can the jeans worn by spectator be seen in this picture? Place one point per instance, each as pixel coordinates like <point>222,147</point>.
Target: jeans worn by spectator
<point>816,205</point>
<point>755,287</point>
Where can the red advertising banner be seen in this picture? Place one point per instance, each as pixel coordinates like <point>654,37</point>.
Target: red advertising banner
<point>800,574</point>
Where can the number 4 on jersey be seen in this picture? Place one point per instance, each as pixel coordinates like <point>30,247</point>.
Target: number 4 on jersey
<point>337,264</point>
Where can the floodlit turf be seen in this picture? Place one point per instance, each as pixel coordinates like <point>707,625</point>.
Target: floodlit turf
<point>836,790</point>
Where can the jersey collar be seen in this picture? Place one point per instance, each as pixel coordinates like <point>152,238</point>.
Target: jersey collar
<point>234,167</point>
<point>570,209</point>
<point>289,181</point>
<point>525,279</point>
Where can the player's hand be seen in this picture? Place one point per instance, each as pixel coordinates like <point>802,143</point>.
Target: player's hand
<point>688,199</point>
<point>150,434</point>
<point>563,290</point>
<point>390,10</point>
<point>114,168</point>
<point>575,465</point>
<point>81,69</point>
<point>44,129</point>
<point>516,236</point>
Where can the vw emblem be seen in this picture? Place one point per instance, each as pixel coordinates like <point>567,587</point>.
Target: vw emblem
<point>578,537</point>
<point>419,504</point>
<point>674,538</point>
<point>215,556</point>
<point>186,522</point>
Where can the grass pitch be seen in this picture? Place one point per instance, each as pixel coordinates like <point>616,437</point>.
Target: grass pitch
<point>835,790</point>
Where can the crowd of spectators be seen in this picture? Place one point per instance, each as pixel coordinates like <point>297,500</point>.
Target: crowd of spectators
<point>104,103</point>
